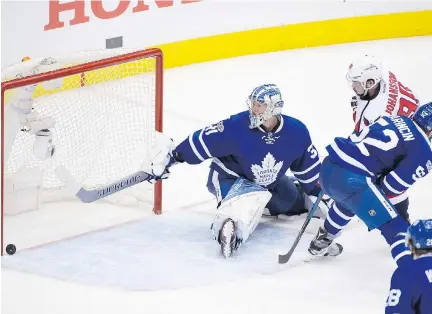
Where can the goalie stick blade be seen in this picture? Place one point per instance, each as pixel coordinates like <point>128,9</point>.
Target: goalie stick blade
<point>285,258</point>
<point>89,196</point>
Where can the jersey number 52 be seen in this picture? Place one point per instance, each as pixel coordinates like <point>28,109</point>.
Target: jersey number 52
<point>361,140</point>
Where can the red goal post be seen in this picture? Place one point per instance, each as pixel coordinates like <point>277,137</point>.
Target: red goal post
<point>128,85</point>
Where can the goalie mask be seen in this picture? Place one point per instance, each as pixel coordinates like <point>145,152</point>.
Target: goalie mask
<point>264,102</point>
<point>364,73</point>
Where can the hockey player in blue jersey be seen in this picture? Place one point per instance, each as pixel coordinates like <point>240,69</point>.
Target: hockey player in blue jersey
<point>363,171</point>
<point>379,92</point>
<point>411,284</point>
<point>251,151</point>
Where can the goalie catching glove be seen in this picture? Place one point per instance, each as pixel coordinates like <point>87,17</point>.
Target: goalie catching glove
<point>162,157</point>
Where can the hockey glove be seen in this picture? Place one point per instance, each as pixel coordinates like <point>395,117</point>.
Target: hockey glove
<point>162,158</point>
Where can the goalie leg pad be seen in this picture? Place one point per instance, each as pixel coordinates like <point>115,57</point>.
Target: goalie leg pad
<point>244,204</point>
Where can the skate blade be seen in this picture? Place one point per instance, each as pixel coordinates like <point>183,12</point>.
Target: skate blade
<point>228,233</point>
<point>331,251</point>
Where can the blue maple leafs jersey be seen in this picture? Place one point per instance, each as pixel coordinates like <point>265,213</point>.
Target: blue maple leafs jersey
<point>394,151</point>
<point>411,288</point>
<point>255,154</point>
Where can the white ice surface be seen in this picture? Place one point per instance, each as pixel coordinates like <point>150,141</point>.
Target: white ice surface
<point>314,87</point>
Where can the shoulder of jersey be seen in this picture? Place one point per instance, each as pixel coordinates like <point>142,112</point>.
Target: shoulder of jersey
<point>291,123</point>
<point>407,269</point>
<point>415,267</point>
<point>386,74</point>
<point>419,268</point>
<point>241,116</point>
<point>238,119</point>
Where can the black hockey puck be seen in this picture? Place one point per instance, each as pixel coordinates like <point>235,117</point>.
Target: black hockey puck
<point>10,249</point>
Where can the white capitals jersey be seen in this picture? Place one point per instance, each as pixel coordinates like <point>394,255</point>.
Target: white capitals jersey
<point>393,99</point>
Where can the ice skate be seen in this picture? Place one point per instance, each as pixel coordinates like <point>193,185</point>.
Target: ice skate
<point>322,245</point>
<point>228,238</point>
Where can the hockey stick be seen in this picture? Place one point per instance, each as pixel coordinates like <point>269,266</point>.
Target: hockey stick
<point>285,258</point>
<point>89,196</point>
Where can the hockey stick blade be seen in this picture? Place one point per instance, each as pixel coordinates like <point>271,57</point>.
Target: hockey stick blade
<point>89,196</point>
<point>285,258</point>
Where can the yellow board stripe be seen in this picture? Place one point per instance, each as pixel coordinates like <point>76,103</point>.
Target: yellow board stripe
<point>264,40</point>
<point>114,72</point>
<point>311,34</point>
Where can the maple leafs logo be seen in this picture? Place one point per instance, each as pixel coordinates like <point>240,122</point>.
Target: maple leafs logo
<point>267,173</point>
<point>269,138</point>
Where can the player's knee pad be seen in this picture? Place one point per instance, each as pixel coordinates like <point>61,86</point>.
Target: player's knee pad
<point>244,204</point>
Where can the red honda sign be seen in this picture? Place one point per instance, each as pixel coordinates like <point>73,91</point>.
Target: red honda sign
<point>97,10</point>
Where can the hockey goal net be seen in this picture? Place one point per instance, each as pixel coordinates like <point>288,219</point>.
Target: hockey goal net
<point>106,106</point>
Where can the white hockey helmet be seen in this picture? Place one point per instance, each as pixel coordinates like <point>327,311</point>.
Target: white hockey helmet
<point>266,94</point>
<point>363,70</point>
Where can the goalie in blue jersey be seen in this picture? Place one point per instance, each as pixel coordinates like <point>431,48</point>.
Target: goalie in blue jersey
<point>411,284</point>
<point>363,171</point>
<point>251,151</point>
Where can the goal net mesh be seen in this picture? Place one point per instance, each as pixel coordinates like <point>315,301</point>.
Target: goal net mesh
<point>104,123</point>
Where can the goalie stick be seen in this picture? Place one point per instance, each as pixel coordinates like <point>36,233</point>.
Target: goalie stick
<point>285,258</point>
<point>89,196</point>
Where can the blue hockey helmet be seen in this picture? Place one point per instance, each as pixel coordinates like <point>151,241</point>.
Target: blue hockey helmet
<point>423,117</point>
<point>269,95</point>
<point>420,235</point>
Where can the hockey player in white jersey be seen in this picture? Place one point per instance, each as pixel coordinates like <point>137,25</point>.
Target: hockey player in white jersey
<point>24,121</point>
<point>378,92</point>
<point>22,117</point>
<point>251,152</point>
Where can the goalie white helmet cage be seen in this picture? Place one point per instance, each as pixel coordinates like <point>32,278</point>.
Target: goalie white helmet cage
<point>269,95</point>
<point>363,69</point>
